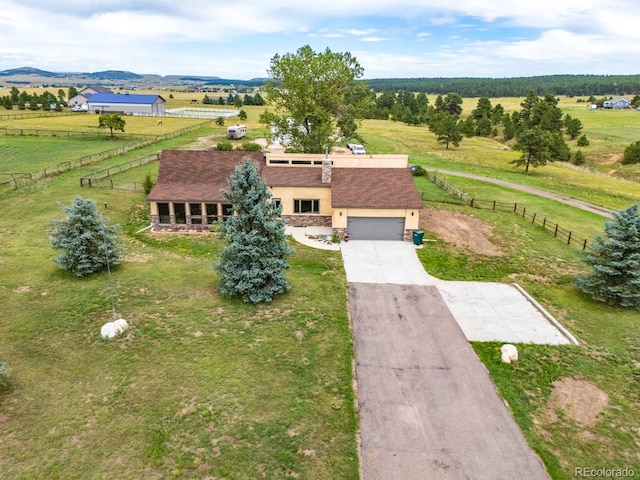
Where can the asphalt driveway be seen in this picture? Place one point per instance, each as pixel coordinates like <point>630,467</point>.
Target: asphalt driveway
<point>428,408</point>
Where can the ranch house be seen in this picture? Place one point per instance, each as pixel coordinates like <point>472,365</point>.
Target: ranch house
<point>617,104</point>
<point>83,96</point>
<point>368,197</point>
<point>127,103</point>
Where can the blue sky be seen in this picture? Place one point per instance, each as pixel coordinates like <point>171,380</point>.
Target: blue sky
<point>403,38</point>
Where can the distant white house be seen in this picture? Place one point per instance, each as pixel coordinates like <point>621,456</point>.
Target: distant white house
<point>617,104</point>
<point>81,98</point>
<point>127,103</point>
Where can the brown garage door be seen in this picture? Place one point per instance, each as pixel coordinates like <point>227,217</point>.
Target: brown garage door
<point>375,228</point>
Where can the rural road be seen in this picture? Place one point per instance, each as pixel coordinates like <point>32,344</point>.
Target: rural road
<point>589,207</point>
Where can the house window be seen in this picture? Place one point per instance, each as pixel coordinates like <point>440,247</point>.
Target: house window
<point>277,202</point>
<point>180,212</point>
<point>196,213</point>
<point>164,215</point>
<point>212,213</point>
<point>306,206</point>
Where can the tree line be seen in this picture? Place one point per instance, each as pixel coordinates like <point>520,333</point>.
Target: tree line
<point>45,101</point>
<point>569,85</point>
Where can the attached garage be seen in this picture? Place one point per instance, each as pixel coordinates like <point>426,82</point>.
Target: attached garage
<point>375,228</point>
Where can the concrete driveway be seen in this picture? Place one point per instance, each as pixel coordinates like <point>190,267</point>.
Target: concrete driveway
<point>484,310</point>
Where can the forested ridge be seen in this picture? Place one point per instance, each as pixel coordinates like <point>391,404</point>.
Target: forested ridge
<point>571,85</point>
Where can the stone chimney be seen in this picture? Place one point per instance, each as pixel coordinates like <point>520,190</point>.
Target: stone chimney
<point>326,169</point>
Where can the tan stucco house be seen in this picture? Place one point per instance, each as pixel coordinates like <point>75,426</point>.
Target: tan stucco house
<point>364,196</point>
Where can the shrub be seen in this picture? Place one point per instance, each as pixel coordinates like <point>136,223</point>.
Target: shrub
<point>583,141</point>
<point>631,154</point>
<point>220,121</point>
<point>419,171</point>
<point>251,147</point>
<point>225,145</point>
<point>578,158</point>
<point>148,184</point>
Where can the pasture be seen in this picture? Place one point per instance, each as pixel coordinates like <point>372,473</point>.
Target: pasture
<point>206,387</point>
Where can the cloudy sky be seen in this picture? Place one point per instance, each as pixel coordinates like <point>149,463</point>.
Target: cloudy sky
<point>399,38</point>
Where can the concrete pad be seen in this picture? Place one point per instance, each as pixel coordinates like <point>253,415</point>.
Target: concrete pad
<point>486,311</point>
<point>497,311</point>
<point>428,408</point>
<point>384,262</point>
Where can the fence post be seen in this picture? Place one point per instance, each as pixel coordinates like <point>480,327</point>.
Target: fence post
<point>584,245</point>
<point>555,234</point>
<point>544,222</point>
<point>515,207</point>
<point>494,204</point>
<point>569,239</point>
<point>471,203</point>
<point>533,220</point>
<point>524,211</point>
<point>111,180</point>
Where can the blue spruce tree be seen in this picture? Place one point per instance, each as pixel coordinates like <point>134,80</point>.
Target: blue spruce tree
<point>253,263</point>
<point>615,278</point>
<point>88,243</point>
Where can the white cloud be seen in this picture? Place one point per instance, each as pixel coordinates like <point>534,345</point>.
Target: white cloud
<point>220,38</point>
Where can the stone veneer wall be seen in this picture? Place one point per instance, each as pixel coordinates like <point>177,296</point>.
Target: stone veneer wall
<point>307,220</point>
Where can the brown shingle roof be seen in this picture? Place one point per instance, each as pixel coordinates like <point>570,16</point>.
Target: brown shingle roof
<point>197,175</point>
<point>374,188</point>
<point>293,176</point>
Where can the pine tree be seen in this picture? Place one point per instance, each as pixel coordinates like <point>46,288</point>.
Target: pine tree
<point>615,278</point>
<point>89,244</point>
<point>253,263</point>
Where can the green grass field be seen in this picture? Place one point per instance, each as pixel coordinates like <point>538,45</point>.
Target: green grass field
<point>206,387</point>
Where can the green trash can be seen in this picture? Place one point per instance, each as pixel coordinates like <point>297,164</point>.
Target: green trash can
<point>418,236</point>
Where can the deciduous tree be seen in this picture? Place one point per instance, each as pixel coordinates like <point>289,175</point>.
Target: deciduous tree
<point>253,263</point>
<point>112,122</point>
<point>316,97</point>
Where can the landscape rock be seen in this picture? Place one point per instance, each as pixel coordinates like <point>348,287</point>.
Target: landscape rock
<point>113,329</point>
<point>509,353</point>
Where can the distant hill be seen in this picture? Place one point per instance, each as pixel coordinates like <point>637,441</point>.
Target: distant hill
<point>34,76</point>
<point>113,75</point>
<point>29,71</point>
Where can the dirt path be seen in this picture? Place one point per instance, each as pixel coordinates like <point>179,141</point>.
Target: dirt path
<point>589,207</point>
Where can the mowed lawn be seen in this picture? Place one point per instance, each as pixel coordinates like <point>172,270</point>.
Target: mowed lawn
<point>199,387</point>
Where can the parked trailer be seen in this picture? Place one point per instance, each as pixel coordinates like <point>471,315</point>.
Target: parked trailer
<point>236,132</point>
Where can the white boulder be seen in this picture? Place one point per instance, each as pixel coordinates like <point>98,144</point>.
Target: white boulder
<point>509,353</point>
<point>112,329</point>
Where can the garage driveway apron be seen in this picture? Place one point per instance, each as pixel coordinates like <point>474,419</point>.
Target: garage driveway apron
<point>428,408</point>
